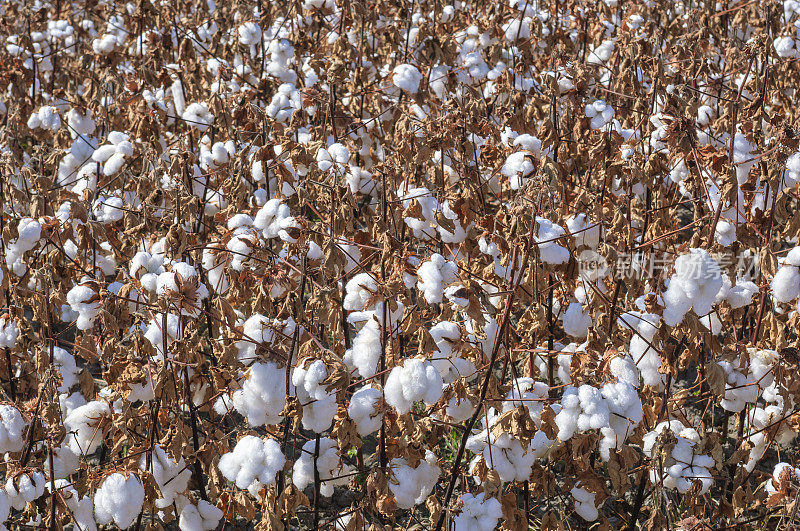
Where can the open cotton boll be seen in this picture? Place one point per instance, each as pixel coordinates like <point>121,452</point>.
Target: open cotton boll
<point>29,231</point>
<point>25,488</point>
<point>336,157</point>
<point>198,116</point>
<point>547,239</point>
<point>12,426</point>
<point>84,433</point>
<point>434,275</point>
<point>360,292</point>
<point>625,408</point>
<point>263,394</point>
<point>119,500</point>
<point>200,517</point>
<point>785,285</point>
<point>744,385</point>
<point>782,473</point>
<point>695,285</point>
<point>275,219</point>
<point>576,322</point>
<point>582,409</point>
<point>599,114</point>
<point>585,232</point>
<point>448,363</point>
<point>415,380</point>
<point>332,471</point>
<point>412,486</point>
<point>364,409</point>
<point>171,477</point>
<point>518,167</point>
<point>65,462</point>
<point>319,405</point>
<point>249,33</point>
<point>9,332</point>
<point>81,508</point>
<point>584,503</point>
<point>85,300</point>
<point>644,347</point>
<point>46,117</point>
<point>258,330</point>
<point>478,513</point>
<point>768,425</point>
<point>284,103</point>
<point>366,349</point>
<point>601,54</point>
<point>407,77</point>
<point>253,463</point>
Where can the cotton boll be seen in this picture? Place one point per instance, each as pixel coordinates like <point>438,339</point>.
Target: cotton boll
<point>332,471</point>
<point>202,517</point>
<point>172,477</point>
<point>197,115</point>
<point>599,114</point>
<point>447,362</point>
<point>407,77</point>
<point>479,513</point>
<point>274,219</point>
<point>518,167</point>
<point>360,291</point>
<point>253,463</point>
<point>119,500</point>
<point>415,380</point>
<point>249,33</point>
<point>65,462</point>
<point>785,284</point>
<point>695,285</point>
<point>81,508</point>
<point>584,504</point>
<point>263,394</point>
<point>364,410</point>
<point>12,426</point>
<point>433,275</point>
<point>411,486</point>
<point>80,124</point>
<point>9,332</point>
<point>336,157</point>
<point>684,466</point>
<point>85,300</point>
<point>84,433</point>
<point>547,242</point>
<point>25,488</point>
<point>575,321</point>
<point>319,405</point>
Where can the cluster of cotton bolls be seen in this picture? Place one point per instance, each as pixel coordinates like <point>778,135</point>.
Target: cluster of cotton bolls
<point>319,404</point>
<point>682,466</point>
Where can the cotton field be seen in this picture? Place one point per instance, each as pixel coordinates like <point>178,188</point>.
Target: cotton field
<point>399,264</point>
